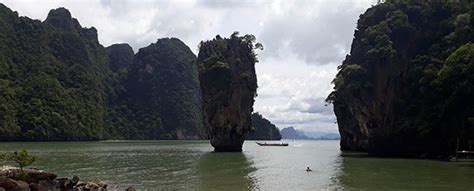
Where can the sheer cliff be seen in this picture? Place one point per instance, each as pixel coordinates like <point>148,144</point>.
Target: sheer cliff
<point>163,83</point>
<point>229,84</point>
<point>406,88</point>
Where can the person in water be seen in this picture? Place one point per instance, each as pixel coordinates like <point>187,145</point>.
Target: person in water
<point>308,169</point>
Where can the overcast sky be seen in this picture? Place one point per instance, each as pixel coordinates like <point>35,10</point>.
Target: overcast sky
<point>304,41</point>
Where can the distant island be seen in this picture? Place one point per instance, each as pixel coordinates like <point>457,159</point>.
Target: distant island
<point>292,133</point>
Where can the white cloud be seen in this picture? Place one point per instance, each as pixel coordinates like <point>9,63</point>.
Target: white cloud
<point>304,41</point>
<point>317,31</point>
<point>293,93</point>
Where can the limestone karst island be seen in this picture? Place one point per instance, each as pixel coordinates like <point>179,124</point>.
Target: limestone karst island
<point>205,95</point>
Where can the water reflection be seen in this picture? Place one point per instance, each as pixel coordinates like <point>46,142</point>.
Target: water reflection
<point>225,171</point>
<point>367,173</point>
<point>337,173</point>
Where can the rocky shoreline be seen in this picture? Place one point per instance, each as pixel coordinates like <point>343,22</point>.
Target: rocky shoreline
<point>12,178</point>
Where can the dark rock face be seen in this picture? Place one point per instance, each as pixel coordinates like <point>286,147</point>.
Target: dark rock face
<point>164,82</point>
<point>156,92</point>
<point>263,129</point>
<point>229,84</point>
<point>120,57</point>
<point>391,96</point>
<point>61,18</point>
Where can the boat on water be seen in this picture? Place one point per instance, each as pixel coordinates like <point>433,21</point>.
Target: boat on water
<point>272,144</point>
<point>463,156</point>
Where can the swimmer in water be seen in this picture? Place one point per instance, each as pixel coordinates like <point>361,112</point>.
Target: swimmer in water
<point>308,169</point>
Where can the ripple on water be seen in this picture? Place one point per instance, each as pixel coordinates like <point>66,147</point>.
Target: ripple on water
<point>191,165</point>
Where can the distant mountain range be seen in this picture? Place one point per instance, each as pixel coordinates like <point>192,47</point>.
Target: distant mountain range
<point>292,133</point>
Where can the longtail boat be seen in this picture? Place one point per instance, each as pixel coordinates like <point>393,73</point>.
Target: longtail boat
<point>272,144</point>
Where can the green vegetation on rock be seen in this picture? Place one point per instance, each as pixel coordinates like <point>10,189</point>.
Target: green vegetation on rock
<point>263,129</point>
<point>52,78</point>
<point>407,86</point>
<point>162,93</point>
<point>229,86</point>
<point>58,83</point>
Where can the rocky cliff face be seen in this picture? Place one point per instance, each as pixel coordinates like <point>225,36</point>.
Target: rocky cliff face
<point>120,57</point>
<point>157,93</point>
<point>263,129</point>
<point>390,96</point>
<point>164,82</point>
<point>229,85</point>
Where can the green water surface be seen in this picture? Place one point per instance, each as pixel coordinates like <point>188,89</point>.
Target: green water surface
<point>191,165</point>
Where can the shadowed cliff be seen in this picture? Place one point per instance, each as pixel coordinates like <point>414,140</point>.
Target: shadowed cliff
<point>164,81</point>
<point>263,129</point>
<point>407,86</point>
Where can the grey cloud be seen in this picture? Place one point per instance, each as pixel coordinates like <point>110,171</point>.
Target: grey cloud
<point>227,4</point>
<point>319,37</point>
<point>317,105</point>
<point>296,121</point>
<point>325,110</point>
<point>191,21</point>
<point>311,121</point>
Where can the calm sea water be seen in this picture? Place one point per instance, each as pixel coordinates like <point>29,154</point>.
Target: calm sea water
<point>191,165</point>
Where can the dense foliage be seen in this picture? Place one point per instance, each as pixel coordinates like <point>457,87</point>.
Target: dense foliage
<point>263,129</point>
<point>58,83</point>
<point>162,98</point>
<point>407,86</point>
<point>52,78</point>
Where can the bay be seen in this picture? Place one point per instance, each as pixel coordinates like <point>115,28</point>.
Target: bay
<point>191,165</point>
